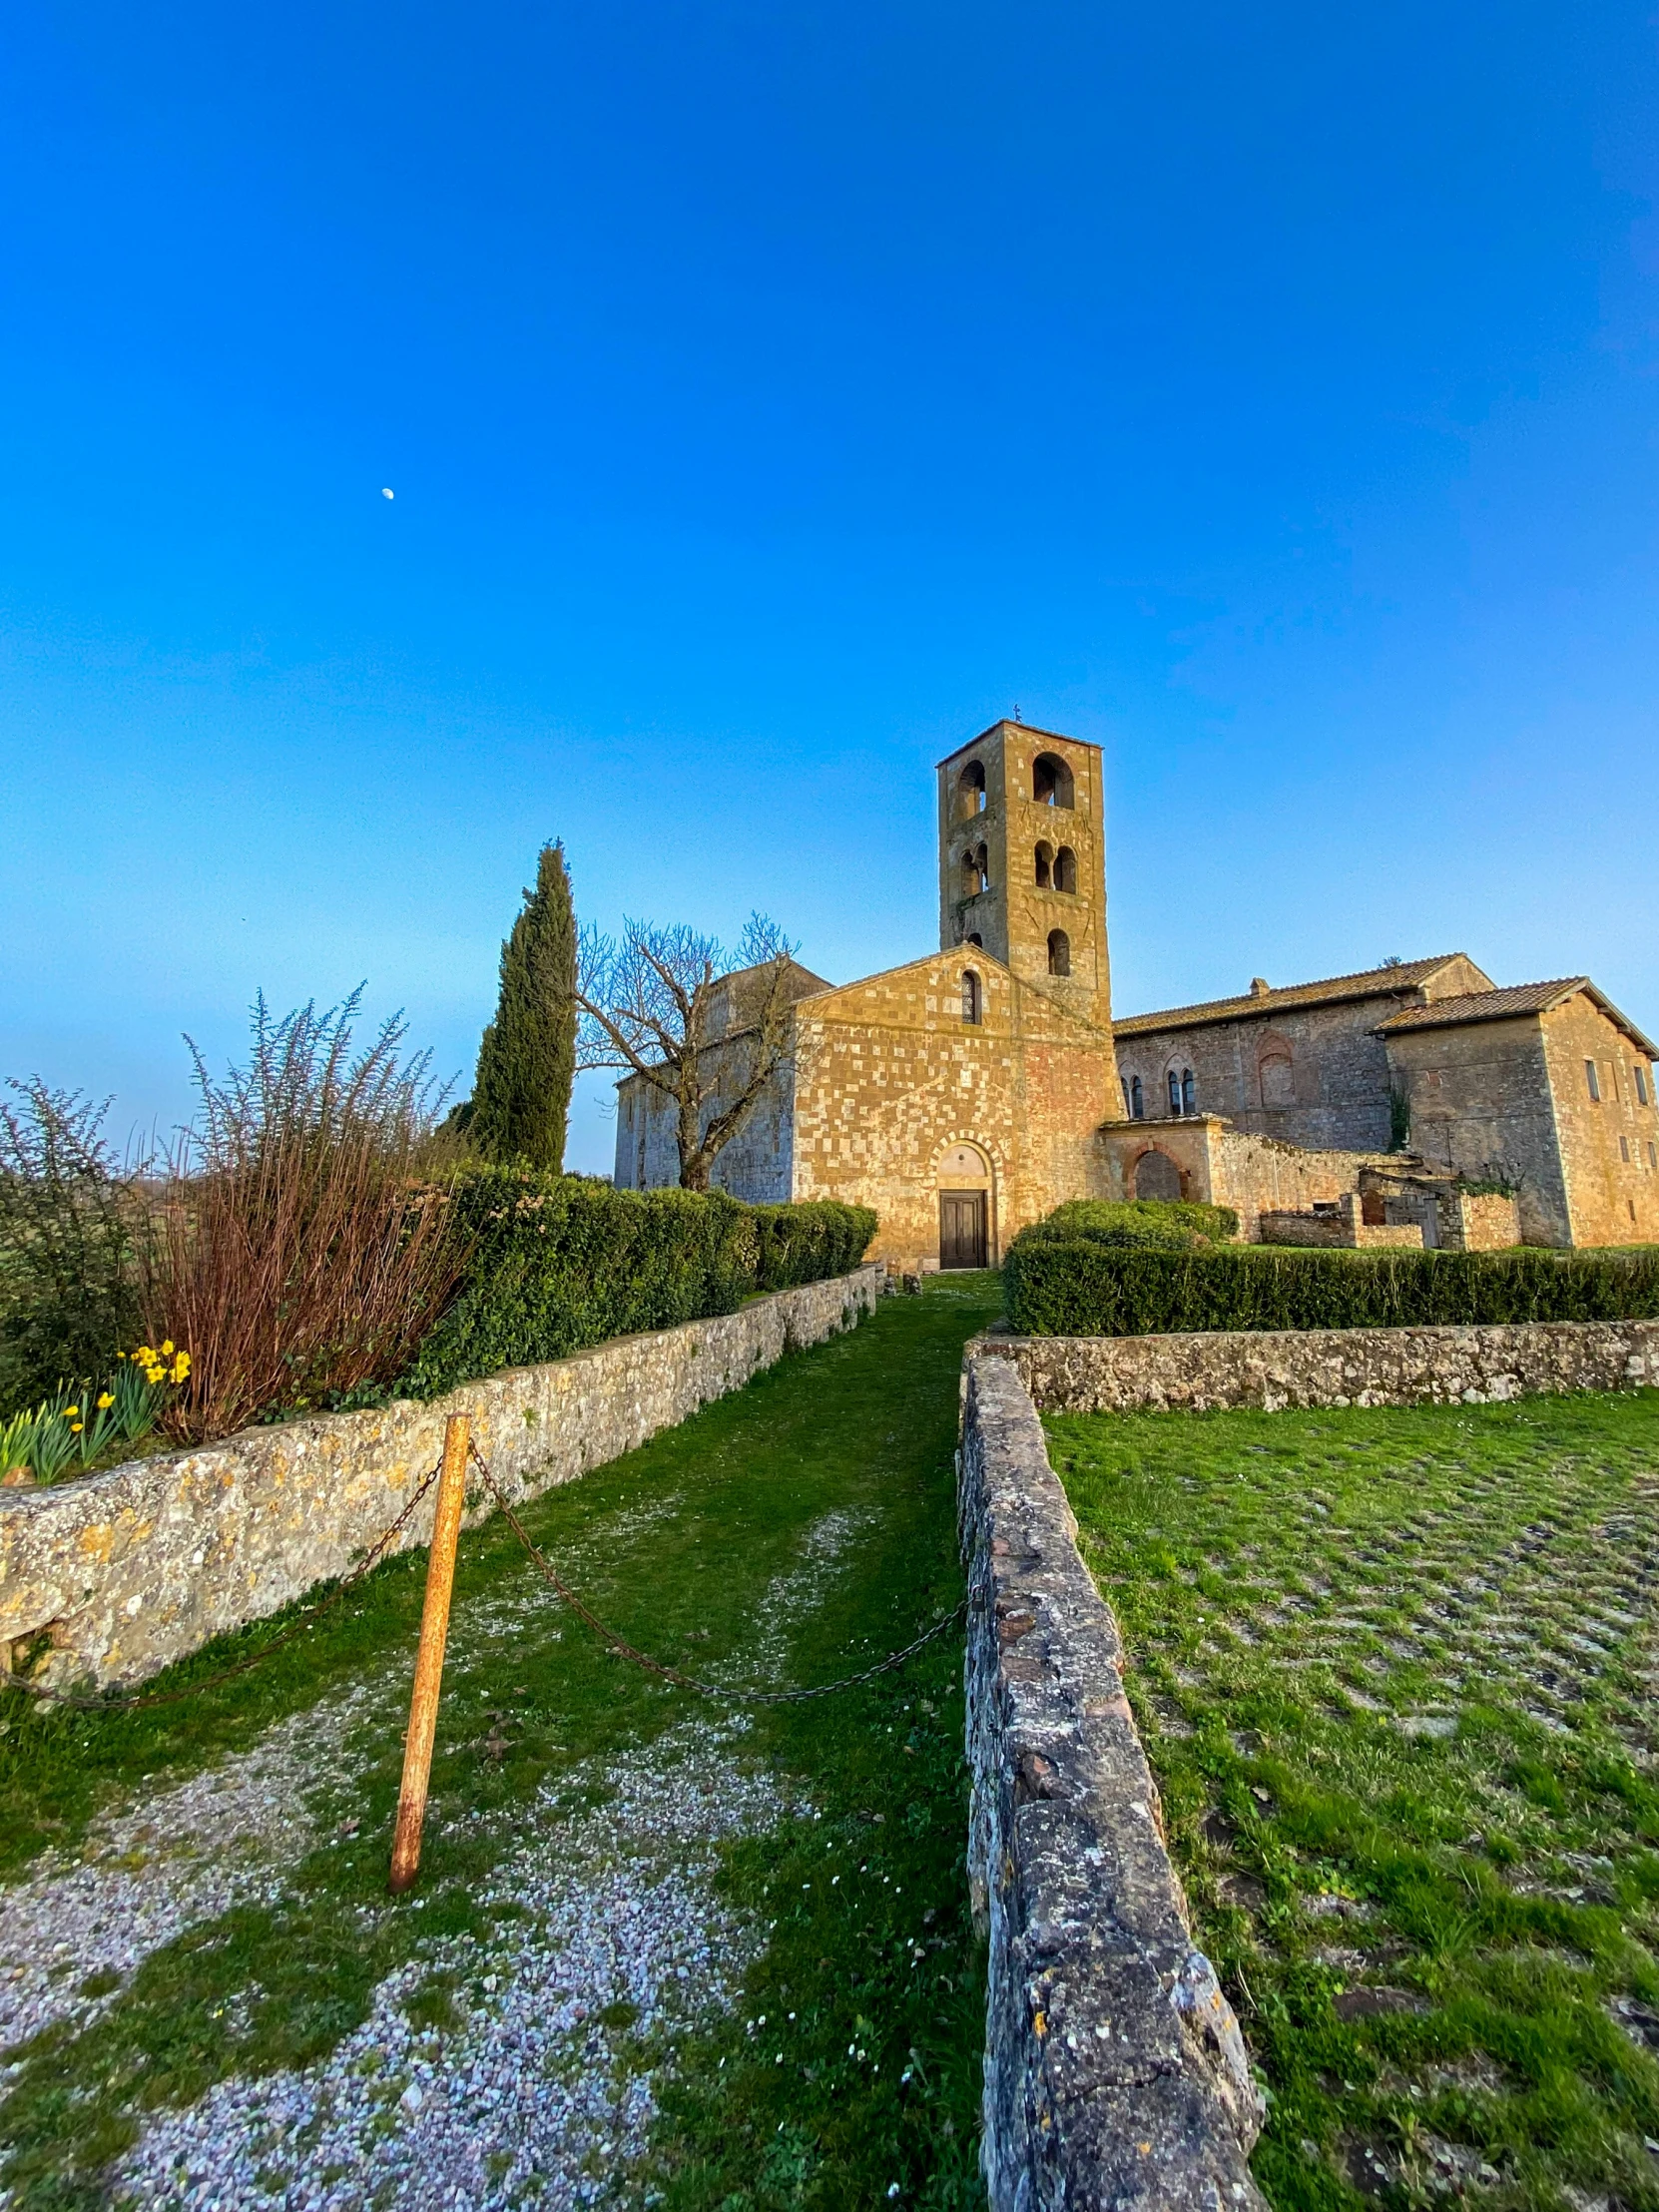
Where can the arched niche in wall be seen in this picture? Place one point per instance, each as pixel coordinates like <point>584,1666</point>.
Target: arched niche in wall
<point>1156,1176</point>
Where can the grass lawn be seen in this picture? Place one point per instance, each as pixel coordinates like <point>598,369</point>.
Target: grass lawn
<point>867,1947</point>
<point>1396,1674</point>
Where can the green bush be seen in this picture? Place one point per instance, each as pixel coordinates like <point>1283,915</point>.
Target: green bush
<point>560,1261</point>
<point>1148,1224</point>
<point>807,1242</point>
<point>69,1221</point>
<point>1083,1288</point>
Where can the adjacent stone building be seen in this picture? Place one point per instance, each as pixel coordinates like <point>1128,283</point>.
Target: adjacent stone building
<point>972,1091</point>
<point>1304,1063</point>
<point>1546,1086</point>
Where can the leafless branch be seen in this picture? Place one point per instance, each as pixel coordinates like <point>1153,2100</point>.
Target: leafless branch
<point>647,1003</point>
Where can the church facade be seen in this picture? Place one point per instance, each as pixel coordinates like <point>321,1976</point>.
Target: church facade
<point>969,1092</point>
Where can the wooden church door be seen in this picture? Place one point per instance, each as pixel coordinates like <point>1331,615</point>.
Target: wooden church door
<point>962,1229</point>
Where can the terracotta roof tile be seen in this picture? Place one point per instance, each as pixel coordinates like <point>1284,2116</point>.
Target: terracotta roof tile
<point>1366,984</point>
<point>1495,1006</point>
<point>1502,1005</point>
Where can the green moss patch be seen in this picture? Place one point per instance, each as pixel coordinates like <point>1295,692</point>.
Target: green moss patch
<point>1394,1671</point>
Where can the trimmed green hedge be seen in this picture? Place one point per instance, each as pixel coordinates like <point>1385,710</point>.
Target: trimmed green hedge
<point>1151,1224</point>
<point>809,1241</point>
<point>1079,1287</point>
<point>561,1261</point>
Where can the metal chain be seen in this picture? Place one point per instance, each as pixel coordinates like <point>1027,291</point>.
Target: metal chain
<point>108,1704</point>
<point>625,1650</point>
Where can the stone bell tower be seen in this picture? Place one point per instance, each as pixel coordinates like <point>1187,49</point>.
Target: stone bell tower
<point>1022,861</point>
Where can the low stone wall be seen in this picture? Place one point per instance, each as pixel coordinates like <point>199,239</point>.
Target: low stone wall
<point>1114,2073</point>
<point>1484,1221</point>
<point>1341,1231</point>
<point>1273,1368</point>
<point>136,1567</point>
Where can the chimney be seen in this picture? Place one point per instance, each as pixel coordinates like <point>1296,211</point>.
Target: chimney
<point>1259,986</point>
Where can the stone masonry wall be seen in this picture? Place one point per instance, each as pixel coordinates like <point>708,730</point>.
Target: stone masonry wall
<point>130,1569</point>
<point>1272,1368</point>
<point>889,1078</point>
<point>1482,1221</point>
<point>1014,914</point>
<point>1337,1233</point>
<point>1233,1167</point>
<point>1339,1070</point>
<point>1254,1174</point>
<point>755,1165</point>
<point>1609,1146</point>
<point>1480,1105</point>
<point>1114,2073</point>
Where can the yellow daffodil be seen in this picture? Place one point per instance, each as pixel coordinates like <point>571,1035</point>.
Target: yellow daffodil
<point>166,1349</point>
<point>70,1411</point>
<point>77,1425</point>
<point>106,1401</point>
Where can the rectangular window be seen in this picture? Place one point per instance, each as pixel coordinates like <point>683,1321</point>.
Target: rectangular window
<point>1653,1155</point>
<point>1594,1080</point>
<point>1624,1150</point>
<point>1640,1074</point>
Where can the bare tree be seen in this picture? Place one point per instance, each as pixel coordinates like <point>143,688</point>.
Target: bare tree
<point>651,1003</point>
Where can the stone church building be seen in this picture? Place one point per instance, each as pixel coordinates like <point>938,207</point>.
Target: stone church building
<point>970,1092</point>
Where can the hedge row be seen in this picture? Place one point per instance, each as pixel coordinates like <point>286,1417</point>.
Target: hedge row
<point>1151,1224</point>
<point>559,1261</point>
<point>1082,1288</point>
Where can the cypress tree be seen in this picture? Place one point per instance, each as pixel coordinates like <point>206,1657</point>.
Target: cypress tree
<point>527,1061</point>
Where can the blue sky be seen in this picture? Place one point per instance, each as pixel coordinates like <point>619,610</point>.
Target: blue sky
<point>773,397</point>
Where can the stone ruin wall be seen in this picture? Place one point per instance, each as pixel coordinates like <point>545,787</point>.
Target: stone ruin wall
<point>1269,1370</point>
<point>1114,2073</point>
<point>129,1570</point>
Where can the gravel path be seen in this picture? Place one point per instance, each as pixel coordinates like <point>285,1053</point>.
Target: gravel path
<point>539,2090</point>
<point>145,1875</point>
<point>541,2094</point>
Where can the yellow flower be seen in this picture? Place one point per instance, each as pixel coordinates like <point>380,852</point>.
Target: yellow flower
<point>77,1425</point>
<point>106,1401</point>
<point>166,1349</point>
<point>70,1411</point>
<point>180,1366</point>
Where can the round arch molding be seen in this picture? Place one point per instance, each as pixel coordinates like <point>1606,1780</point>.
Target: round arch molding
<point>965,1186</point>
<point>1156,1174</point>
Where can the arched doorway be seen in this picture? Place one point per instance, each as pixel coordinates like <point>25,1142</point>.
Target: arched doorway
<point>1157,1176</point>
<point>966,1225</point>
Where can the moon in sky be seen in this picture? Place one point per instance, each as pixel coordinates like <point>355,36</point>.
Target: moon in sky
<point>386,492</point>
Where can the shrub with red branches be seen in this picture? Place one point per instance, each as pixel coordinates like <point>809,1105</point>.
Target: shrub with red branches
<point>296,1247</point>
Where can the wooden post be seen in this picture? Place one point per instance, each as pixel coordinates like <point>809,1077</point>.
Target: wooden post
<point>428,1677</point>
